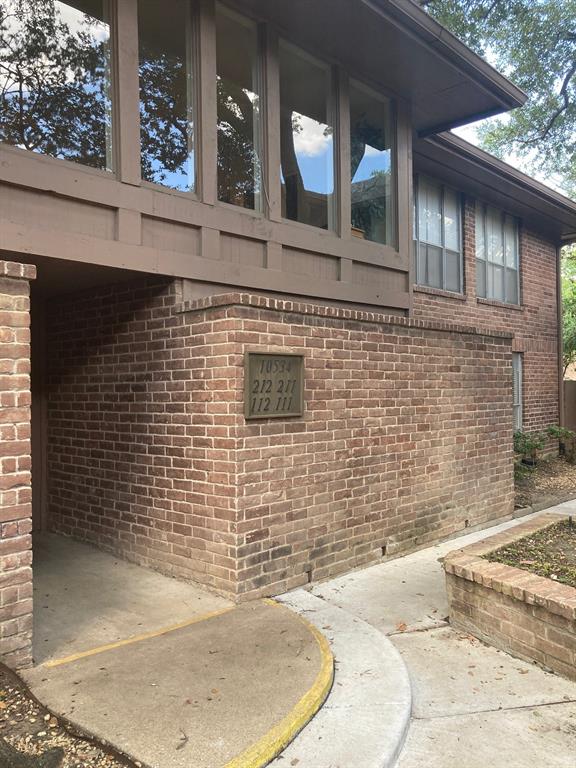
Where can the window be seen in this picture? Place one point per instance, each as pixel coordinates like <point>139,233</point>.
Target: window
<point>166,55</point>
<point>517,389</point>
<point>371,169</point>
<point>238,100</point>
<point>497,263</point>
<point>438,236</point>
<point>55,79</point>
<point>306,138</point>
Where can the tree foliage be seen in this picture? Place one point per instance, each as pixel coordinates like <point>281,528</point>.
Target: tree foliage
<point>54,80</point>
<point>569,305</point>
<point>533,42</point>
<point>55,98</point>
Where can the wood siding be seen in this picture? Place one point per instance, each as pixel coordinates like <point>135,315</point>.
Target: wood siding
<point>54,208</point>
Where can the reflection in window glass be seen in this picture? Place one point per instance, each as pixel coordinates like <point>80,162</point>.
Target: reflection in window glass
<point>371,165</point>
<point>238,110</point>
<point>497,263</point>
<point>429,212</point>
<point>306,139</point>
<point>55,79</point>
<point>166,93</point>
<point>437,235</point>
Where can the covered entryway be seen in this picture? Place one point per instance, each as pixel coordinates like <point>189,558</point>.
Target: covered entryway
<point>107,463</point>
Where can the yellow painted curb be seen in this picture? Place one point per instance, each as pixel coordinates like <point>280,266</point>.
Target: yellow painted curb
<point>280,735</point>
<point>136,638</point>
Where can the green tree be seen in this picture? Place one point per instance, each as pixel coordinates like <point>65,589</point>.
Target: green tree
<point>568,273</point>
<point>533,42</point>
<point>54,82</point>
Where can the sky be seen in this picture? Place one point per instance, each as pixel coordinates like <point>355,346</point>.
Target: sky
<point>469,133</point>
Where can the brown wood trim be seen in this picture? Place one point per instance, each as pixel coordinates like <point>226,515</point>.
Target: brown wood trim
<point>404,181</point>
<point>127,91</point>
<point>342,171</point>
<point>129,226</point>
<point>205,130</point>
<point>209,243</point>
<point>271,127</point>
<point>68,180</point>
<point>25,239</point>
<point>273,255</point>
<point>346,270</point>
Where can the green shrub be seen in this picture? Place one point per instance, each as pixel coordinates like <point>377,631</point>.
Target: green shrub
<point>567,440</point>
<point>528,444</point>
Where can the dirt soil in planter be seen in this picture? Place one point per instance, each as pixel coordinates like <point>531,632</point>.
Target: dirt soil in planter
<point>550,552</point>
<point>31,737</point>
<point>549,480</point>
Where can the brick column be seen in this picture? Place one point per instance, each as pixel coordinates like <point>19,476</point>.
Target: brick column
<point>15,483</point>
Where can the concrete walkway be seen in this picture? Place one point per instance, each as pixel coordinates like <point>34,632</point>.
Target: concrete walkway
<point>473,705</point>
<point>84,598</point>
<point>168,673</point>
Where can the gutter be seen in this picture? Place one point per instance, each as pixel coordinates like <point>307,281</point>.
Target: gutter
<point>473,154</point>
<point>451,49</point>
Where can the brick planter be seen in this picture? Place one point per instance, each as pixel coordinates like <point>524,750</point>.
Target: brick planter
<point>529,616</point>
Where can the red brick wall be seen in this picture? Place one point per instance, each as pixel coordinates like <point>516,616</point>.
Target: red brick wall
<point>131,461</point>
<point>523,614</point>
<point>534,323</point>
<point>406,435</point>
<point>15,489</point>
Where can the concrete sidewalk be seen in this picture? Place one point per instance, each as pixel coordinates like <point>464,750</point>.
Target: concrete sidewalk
<point>473,705</point>
<point>217,682</point>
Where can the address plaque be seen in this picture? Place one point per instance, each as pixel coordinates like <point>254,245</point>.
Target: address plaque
<point>274,385</point>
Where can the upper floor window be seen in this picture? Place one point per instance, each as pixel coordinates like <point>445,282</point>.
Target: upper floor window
<point>166,57</point>
<point>55,83</point>
<point>371,158</point>
<point>438,236</point>
<point>497,259</point>
<point>238,104</point>
<point>56,98</point>
<point>306,138</point>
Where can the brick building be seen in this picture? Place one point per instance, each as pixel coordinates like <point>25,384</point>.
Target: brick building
<point>308,214</point>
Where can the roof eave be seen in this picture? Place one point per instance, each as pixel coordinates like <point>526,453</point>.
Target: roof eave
<point>477,155</point>
<point>455,51</point>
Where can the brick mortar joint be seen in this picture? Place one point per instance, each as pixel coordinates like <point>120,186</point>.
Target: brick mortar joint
<point>256,301</point>
<point>469,564</point>
<point>17,270</point>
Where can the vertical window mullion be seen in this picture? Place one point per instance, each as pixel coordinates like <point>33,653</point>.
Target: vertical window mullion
<point>126,90</point>
<point>271,124</point>
<point>342,176</point>
<point>333,115</point>
<point>206,132</point>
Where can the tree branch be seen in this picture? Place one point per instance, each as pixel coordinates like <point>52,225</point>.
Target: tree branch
<point>557,112</point>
